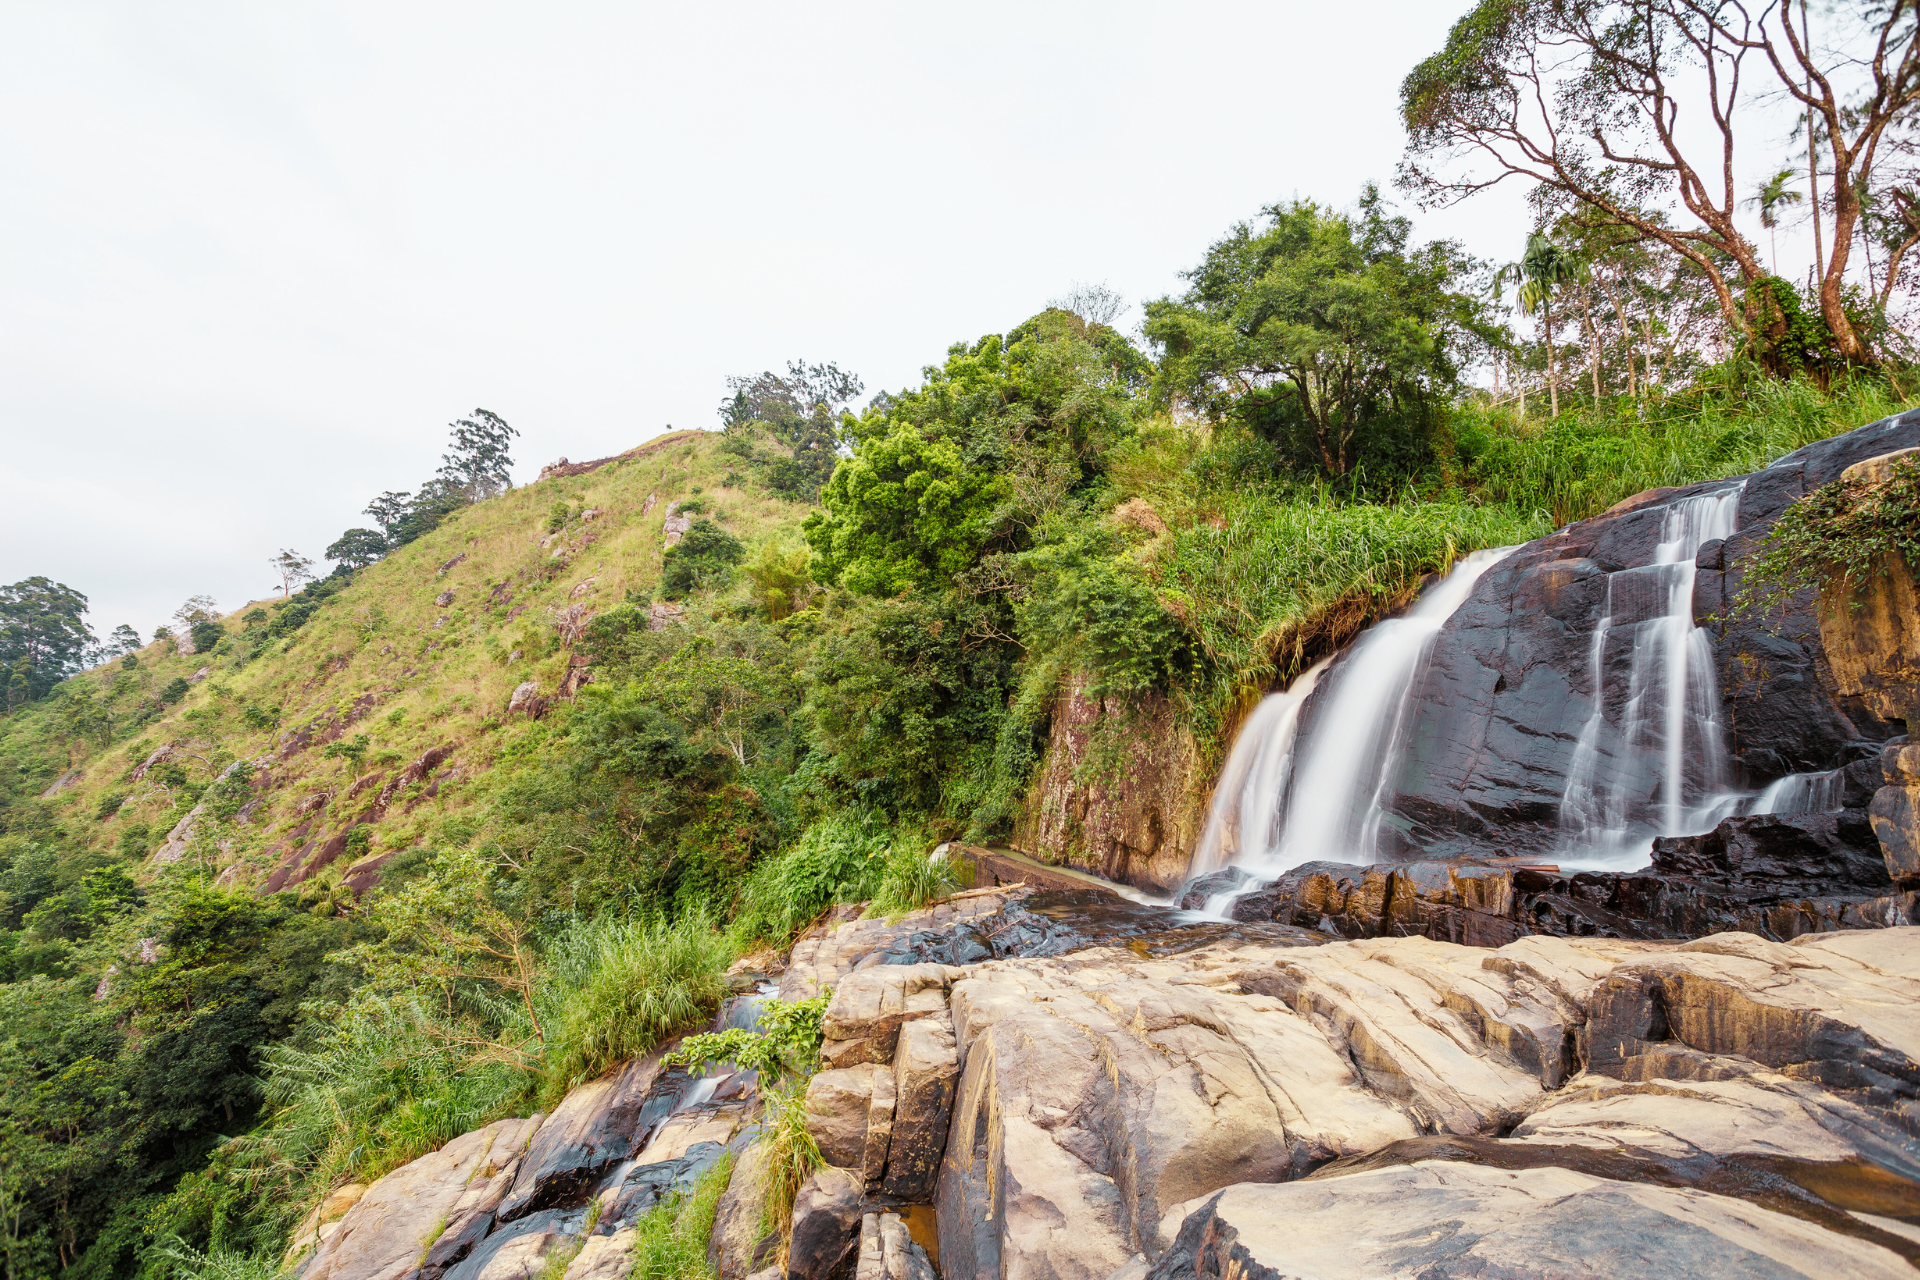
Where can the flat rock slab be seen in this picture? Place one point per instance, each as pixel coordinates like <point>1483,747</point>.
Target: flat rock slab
<point>384,1234</point>
<point>1438,1219</point>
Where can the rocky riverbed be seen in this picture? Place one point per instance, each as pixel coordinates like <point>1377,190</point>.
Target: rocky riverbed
<point>1204,1098</point>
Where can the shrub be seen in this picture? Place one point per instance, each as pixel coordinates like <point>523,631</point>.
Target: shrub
<point>174,690</point>
<point>1836,537</point>
<point>701,560</point>
<point>837,859</point>
<point>786,1043</point>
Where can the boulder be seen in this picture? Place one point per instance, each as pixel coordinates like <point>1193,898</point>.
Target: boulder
<point>1895,814</point>
<point>595,1127</point>
<point>384,1234</point>
<point>863,1020</point>
<point>605,1258</point>
<point>888,1251</point>
<point>822,957</point>
<point>826,1224</point>
<point>64,781</point>
<point>1437,1219</point>
<point>738,1247</point>
<point>517,1251</point>
<point>526,700</point>
<point>837,1105</point>
<point>926,1065</point>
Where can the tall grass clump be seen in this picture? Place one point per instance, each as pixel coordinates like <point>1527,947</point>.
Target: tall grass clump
<point>670,1240</point>
<point>382,1085</point>
<point>1587,459</point>
<point>791,1154</point>
<point>1257,585</point>
<point>620,987</point>
<point>840,858</point>
<point>910,879</point>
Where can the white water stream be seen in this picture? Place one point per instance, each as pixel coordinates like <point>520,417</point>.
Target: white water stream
<point>1650,760</point>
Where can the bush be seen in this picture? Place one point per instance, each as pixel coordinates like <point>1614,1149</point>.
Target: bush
<point>623,986</point>
<point>174,690</point>
<point>837,859</point>
<point>702,560</point>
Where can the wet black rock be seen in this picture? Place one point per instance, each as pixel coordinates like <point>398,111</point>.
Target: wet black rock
<point>1196,892</point>
<point>1501,704</point>
<point>1774,876</point>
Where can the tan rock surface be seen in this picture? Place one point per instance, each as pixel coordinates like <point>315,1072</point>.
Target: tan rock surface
<point>382,1236</point>
<point>1437,1218</point>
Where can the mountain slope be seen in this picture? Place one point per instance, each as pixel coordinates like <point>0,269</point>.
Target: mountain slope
<point>367,727</point>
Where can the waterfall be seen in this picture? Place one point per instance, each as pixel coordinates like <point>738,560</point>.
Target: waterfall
<point>1276,807</point>
<point>1803,793</point>
<point>1658,766</point>
<point>1246,799</point>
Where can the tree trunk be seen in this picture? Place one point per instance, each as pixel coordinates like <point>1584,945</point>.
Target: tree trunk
<point>1593,341</point>
<point>1553,370</point>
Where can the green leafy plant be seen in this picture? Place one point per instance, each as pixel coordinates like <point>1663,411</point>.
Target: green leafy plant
<point>354,751</point>
<point>1835,539</point>
<point>786,1044</point>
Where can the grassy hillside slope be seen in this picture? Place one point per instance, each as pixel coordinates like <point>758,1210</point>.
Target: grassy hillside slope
<point>419,656</point>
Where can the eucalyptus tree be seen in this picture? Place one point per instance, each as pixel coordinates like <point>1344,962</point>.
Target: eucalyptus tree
<point>1626,111</point>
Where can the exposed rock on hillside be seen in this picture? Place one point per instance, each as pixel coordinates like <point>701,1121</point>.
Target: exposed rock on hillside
<point>1138,825</point>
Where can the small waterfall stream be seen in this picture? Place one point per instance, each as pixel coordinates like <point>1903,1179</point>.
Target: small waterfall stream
<point>1651,757</point>
<point>1276,807</point>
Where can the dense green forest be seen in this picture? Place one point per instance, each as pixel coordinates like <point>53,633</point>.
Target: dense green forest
<point>848,655</point>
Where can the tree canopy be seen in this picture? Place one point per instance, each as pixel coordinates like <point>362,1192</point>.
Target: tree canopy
<point>43,638</point>
<point>1322,329</point>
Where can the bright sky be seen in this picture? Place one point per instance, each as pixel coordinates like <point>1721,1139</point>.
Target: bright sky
<point>256,257</point>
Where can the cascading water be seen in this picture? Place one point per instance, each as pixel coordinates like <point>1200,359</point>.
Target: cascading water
<point>1650,759</point>
<point>1658,766</point>
<point>1276,807</point>
<point>1246,805</point>
<point>1803,793</point>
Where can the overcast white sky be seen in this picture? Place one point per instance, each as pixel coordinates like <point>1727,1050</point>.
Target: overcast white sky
<point>255,257</point>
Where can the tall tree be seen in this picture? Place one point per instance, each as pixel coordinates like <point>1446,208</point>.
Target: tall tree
<point>1324,324</point>
<point>801,410</point>
<point>357,548</point>
<point>292,567</point>
<point>1586,99</point>
<point>42,637</point>
<point>479,465</point>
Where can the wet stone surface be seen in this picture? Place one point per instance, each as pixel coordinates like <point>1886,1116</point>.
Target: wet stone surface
<point>1063,921</point>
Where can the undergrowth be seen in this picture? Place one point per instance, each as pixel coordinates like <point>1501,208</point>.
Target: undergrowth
<point>1836,538</point>
<point>670,1240</point>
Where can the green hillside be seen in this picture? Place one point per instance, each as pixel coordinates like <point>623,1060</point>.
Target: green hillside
<point>415,660</point>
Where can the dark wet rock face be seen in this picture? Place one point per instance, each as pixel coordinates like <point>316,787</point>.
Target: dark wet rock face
<point>1499,710</point>
<point>1774,876</point>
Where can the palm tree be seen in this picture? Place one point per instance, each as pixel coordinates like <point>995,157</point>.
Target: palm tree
<point>1768,197</point>
<point>1544,265</point>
